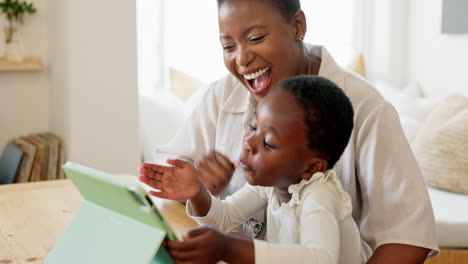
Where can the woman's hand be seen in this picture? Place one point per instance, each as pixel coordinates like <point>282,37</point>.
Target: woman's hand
<point>206,244</point>
<point>215,171</point>
<point>176,182</point>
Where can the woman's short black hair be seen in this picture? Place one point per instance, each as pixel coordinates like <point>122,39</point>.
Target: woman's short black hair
<point>328,114</point>
<point>287,7</point>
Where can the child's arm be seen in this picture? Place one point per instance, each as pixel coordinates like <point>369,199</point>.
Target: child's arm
<point>206,244</point>
<point>234,210</point>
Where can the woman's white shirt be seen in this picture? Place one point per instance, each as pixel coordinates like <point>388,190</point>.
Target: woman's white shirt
<point>315,225</point>
<point>378,169</point>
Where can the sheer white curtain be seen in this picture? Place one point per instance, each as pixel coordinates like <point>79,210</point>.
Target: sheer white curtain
<point>332,23</point>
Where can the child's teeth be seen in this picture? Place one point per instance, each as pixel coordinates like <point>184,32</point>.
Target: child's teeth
<point>255,74</point>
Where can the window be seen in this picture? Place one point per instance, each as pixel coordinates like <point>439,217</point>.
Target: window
<point>331,23</point>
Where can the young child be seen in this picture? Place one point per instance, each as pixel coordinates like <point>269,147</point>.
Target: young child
<point>299,131</point>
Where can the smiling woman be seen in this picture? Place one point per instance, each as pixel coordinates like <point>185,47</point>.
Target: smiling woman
<point>191,39</point>
<point>250,44</point>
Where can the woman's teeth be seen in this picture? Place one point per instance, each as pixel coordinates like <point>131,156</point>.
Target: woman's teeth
<point>255,74</point>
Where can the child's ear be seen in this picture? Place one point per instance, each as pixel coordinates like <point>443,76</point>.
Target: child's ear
<point>314,165</point>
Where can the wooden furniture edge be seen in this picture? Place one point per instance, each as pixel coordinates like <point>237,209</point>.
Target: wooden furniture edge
<point>26,64</point>
<point>450,256</point>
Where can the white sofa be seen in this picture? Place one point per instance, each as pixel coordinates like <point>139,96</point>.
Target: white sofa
<point>450,209</point>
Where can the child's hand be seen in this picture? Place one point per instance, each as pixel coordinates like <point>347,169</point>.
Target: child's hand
<point>203,244</point>
<point>177,182</point>
<point>215,172</point>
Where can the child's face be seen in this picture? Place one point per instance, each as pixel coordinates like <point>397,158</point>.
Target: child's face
<point>275,147</point>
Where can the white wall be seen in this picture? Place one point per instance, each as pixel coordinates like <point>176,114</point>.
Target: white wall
<point>87,91</point>
<point>438,62</point>
<point>93,75</point>
<point>24,100</point>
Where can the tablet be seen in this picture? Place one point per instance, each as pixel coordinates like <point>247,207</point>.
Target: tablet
<point>117,222</point>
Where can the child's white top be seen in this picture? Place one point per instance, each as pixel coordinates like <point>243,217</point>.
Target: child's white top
<point>314,226</point>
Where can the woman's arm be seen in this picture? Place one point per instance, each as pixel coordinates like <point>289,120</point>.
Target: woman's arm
<point>399,253</point>
<point>396,208</point>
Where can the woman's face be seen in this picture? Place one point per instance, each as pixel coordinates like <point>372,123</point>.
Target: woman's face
<point>260,47</point>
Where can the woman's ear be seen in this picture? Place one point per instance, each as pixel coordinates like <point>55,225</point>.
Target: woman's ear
<point>314,165</point>
<point>300,24</point>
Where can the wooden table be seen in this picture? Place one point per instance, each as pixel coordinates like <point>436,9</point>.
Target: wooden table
<point>450,256</point>
<point>34,215</point>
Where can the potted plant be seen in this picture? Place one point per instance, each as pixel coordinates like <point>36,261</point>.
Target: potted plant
<point>14,11</point>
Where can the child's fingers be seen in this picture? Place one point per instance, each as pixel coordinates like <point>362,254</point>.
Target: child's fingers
<point>155,167</point>
<point>214,184</point>
<point>151,182</point>
<point>224,161</point>
<point>204,168</point>
<point>216,169</point>
<point>178,163</point>
<point>161,194</point>
<point>183,256</point>
<point>194,232</point>
<point>151,173</point>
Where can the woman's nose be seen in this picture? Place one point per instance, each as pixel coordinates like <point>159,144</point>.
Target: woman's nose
<point>244,57</point>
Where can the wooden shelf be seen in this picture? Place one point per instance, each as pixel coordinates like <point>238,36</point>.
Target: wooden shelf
<point>27,64</point>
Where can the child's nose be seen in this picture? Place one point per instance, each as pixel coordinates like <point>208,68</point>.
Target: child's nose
<point>249,145</point>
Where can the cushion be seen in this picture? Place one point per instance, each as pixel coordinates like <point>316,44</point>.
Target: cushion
<point>441,145</point>
<point>183,85</point>
<point>410,104</point>
<point>160,118</point>
<point>357,65</point>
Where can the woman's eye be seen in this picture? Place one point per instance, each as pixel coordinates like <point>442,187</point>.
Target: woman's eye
<point>228,47</point>
<point>257,38</point>
<point>268,146</point>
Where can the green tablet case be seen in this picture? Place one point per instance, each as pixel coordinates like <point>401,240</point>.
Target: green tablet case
<point>117,223</point>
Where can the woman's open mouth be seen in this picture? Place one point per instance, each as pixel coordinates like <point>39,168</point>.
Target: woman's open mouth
<point>259,81</point>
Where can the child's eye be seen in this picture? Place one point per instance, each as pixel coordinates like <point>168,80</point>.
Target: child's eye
<point>252,127</point>
<point>268,146</point>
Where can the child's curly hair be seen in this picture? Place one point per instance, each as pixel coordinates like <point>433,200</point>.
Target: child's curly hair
<point>328,114</point>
